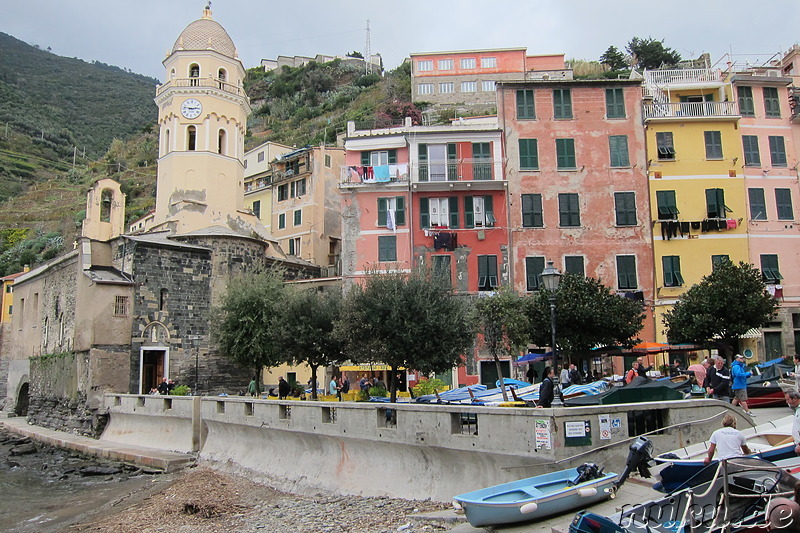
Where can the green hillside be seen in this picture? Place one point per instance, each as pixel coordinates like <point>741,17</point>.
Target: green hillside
<point>65,123</point>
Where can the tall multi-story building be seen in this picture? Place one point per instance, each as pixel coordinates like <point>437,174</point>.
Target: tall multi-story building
<point>306,204</point>
<point>769,167</point>
<point>577,185</point>
<point>468,77</point>
<point>697,192</point>
<point>428,196</point>
<point>258,179</point>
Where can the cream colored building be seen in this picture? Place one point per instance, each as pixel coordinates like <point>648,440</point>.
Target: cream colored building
<point>307,206</point>
<point>258,179</point>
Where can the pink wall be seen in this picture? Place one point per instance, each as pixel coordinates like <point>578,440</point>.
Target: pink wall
<point>545,62</point>
<point>507,61</point>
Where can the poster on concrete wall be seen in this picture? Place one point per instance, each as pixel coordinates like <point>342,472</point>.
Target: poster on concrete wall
<point>578,433</point>
<point>542,434</point>
<point>605,427</point>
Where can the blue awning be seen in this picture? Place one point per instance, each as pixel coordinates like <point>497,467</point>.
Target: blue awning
<point>532,358</point>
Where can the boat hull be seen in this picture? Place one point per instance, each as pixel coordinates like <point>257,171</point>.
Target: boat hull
<point>533,498</point>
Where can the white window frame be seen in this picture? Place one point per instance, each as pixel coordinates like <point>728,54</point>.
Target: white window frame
<point>425,88</point>
<point>467,62</point>
<point>439,212</point>
<point>424,65</point>
<point>445,64</point>
<point>447,88</point>
<point>488,62</point>
<point>379,158</point>
<point>488,86</point>
<point>479,211</point>
<point>469,86</point>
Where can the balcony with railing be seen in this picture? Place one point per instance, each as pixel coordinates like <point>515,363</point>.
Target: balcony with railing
<point>460,170</point>
<point>683,77</point>
<point>358,174</point>
<point>257,185</point>
<point>216,83</point>
<point>688,110</point>
<point>469,170</point>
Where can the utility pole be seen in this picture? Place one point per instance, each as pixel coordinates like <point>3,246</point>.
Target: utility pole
<point>368,54</point>
<point>74,154</point>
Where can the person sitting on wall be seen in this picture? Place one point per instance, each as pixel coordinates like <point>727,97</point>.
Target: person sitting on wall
<point>283,388</point>
<point>547,388</point>
<point>163,387</point>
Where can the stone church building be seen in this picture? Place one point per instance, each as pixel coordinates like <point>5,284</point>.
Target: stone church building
<point>120,312</point>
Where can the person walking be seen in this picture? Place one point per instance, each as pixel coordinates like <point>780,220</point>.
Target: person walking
<point>547,388</point>
<point>574,376</point>
<point>333,387</point>
<point>718,380</point>
<point>564,378</point>
<point>252,387</point>
<point>739,377</point>
<point>633,372</point>
<point>283,388</point>
<point>729,441</point>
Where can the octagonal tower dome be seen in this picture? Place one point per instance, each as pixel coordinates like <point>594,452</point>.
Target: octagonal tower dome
<point>206,34</point>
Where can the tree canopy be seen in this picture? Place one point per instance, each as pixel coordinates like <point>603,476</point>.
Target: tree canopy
<point>503,325</point>
<point>304,329</point>
<point>721,308</point>
<point>614,59</point>
<point>650,53</point>
<point>244,322</point>
<point>406,320</point>
<point>587,314</point>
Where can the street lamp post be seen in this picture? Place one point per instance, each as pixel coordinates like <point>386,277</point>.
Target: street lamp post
<point>551,277</point>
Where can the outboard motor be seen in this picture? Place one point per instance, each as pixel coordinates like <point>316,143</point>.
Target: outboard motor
<point>639,453</point>
<point>587,472</point>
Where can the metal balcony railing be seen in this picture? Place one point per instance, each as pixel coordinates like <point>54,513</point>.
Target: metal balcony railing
<point>664,78</point>
<point>691,109</point>
<point>201,82</point>
<point>374,174</point>
<point>461,170</point>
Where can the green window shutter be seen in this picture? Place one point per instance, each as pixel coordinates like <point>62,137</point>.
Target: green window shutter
<point>713,144</point>
<point>469,213</point>
<point>532,211</point>
<point>562,103</point>
<point>528,154</point>
<point>672,270</point>
<point>451,152</point>
<point>422,151</point>
<point>758,204</point>
<point>573,264</point>
<point>626,272</point>
<point>746,108</point>
<point>783,200</point>
<point>491,263</point>
<point>483,271</point>
<point>667,206</point>
<point>424,213</point>
<point>452,203</point>
<point>625,208</point>
<point>752,157</point>
<point>615,103</point>
<point>769,268</point>
<point>365,159</point>
<point>387,248</point>
<point>533,269</point>
<point>777,151</point>
<point>565,153</point>
<point>713,207</point>
<point>382,208</point>
<point>400,211</point>
<point>569,210</point>
<point>488,211</point>
<point>392,157</point>
<point>525,104</point>
<point>618,149</point>
<point>772,105</point>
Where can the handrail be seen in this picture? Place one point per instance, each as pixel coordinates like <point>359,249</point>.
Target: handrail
<point>217,83</point>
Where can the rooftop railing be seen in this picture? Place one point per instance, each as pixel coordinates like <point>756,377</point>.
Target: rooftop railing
<point>682,76</point>
<point>691,109</point>
<point>201,82</point>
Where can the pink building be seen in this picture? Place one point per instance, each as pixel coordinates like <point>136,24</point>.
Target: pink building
<point>769,166</point>
<point>427,196</point>
<point>578,193</point>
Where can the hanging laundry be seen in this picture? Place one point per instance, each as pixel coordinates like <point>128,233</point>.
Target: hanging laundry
<point>695,224</point>
<point>381,173</point>
<point>685,229</point>
<point>453,241</point>
<point>779,292</point>
<point>441,241</point>
<point>731,223</point>
<point>369,174</point>
<point>390,220</point>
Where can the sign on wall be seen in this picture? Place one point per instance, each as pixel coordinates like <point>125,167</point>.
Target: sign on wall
<point>578,433</point>
<point>542,431</point>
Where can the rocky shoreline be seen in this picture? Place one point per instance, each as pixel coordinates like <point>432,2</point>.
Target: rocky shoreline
<point>90,495</point>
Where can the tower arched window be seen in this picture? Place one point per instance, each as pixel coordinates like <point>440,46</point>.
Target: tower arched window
<point>221,140</point>
<point>194,74</point>
<point>191,138</point>
<point>166,141</point>
<point>223,77</point>
<point>106,198</point>
<point>172,74</point>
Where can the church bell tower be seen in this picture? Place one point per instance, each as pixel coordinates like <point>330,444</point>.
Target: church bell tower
<point>202,117</point>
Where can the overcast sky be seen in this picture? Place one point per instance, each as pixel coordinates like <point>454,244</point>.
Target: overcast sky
<point>136,34</point>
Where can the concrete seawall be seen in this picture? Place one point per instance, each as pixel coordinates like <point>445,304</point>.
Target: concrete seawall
<point>427,451</point>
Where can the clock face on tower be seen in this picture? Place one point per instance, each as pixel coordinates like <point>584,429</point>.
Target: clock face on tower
<point>191,108</point>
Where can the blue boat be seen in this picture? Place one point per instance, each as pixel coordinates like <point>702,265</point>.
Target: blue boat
<point>537,497</point>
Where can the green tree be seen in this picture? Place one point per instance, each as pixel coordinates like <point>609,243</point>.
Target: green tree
<point>503,326</point>
<point>244,323</point>
<point>587,314</point>
<point>650,53</point>
<point>721,308</point>
<point>406,320</point>
<point>304,329</point>
<point>614,59</point>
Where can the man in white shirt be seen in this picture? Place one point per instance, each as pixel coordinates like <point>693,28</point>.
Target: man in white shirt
<point>793,399</point>
<point>728,440</point>
<point>564,377</point>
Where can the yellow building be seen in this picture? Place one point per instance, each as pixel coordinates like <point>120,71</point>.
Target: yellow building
<point>258,179</point>
<point>697,195</point>
<point>8,295</point>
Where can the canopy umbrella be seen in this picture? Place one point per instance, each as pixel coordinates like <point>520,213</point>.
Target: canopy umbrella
<point>650,347</point>
<point>532,358</point>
